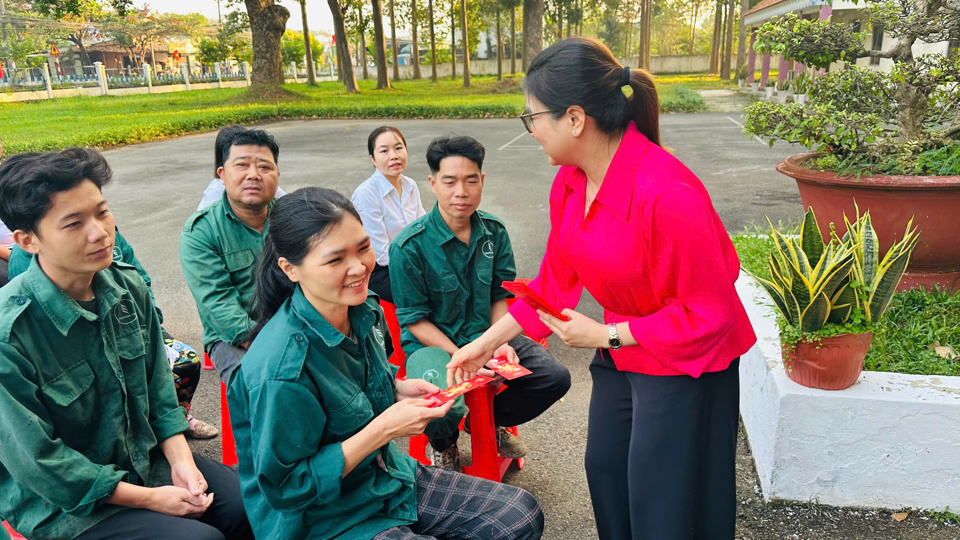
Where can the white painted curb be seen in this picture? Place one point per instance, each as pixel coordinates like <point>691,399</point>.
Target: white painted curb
<point>889,441</point>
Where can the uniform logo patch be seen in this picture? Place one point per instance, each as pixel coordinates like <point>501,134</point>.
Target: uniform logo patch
<point>125,312</point>
<point>487,249</point>
<point>117,254</point>
<point>379,336</point>
<point>431,375</point>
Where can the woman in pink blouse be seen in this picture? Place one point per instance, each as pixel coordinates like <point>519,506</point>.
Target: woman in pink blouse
<point>637,229</point>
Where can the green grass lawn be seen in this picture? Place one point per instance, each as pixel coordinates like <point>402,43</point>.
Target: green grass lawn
<point>903,340</point>
<point>117,120</point>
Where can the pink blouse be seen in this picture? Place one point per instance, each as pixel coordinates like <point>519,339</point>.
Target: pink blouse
<point>653,252</point>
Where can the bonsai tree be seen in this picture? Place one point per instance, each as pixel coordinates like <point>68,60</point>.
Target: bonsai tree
<point>901,122</point>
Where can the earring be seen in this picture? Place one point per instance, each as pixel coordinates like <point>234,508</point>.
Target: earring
<point>574,133</point>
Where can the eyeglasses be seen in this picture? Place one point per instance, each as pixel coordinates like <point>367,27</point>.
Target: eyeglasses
<point>527,118</point>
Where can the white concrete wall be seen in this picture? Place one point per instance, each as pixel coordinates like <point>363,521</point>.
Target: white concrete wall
<point>889,441</point>
<point>95,91</point>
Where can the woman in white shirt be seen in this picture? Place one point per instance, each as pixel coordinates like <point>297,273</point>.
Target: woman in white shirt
<point>387,201</point>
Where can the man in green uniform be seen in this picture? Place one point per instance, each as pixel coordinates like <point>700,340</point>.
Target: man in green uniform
<point>446,271</point>
<point>220,245</point>
<point>91,436</point>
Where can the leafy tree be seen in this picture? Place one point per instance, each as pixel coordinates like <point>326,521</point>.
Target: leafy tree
<point>293,49</point>
<point>135,31</point>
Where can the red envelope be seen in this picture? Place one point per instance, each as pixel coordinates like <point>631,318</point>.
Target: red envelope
<point>525,293</point>
<point>507,369</point>
<point>456,390</point>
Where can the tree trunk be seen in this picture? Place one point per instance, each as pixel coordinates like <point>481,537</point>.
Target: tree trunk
<point>433,44</point>
<point>311,76</point>
<point>532,30</point>
<point>499,47</point>
<point>363,43</point>
<point>453,39</point>
<point>723,33</point>
<point>715,44</point>
<point>466,44</point>
<point>380,46</point>
<point>513,41</point>
<point>728,43</point>
<point>643,57</point>
<point>84,55</point>
<point>267,23</point>
<point>415,47</point>
<point>344,65</point>
<point>393,44</point>
<point>693,26</point>
<point>742,38</point>
<point>559,20</point>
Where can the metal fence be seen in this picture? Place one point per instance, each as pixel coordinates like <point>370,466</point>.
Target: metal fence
<point>120,77</point>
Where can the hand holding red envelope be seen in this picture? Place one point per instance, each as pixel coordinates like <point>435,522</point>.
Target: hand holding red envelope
<point>523,291</point>
<point>507,369</point>
<point>456,390</point>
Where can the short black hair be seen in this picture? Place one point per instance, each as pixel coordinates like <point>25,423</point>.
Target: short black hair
<point>454,145</point>
<point>372,139</point>
<point>28,182</point>
<point>224,135</point>
<point>243,136</point>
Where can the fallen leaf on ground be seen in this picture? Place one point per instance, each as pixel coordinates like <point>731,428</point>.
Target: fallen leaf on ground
<point>900,516</point>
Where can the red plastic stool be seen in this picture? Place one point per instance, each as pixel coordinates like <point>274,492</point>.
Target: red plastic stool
<point>207,364</point>
<point>13,534</point>
<point>227,445</point>
<point>398,358</point>
<point>487,462</point>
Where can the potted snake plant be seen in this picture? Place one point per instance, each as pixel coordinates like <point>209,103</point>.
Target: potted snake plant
<point>829,295</point>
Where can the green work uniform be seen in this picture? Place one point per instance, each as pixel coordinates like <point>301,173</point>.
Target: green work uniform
<point>435,276</point>
<point>218,253</point>
<point>122,252</point>
<point>302,389</point>
<point>85,400</point>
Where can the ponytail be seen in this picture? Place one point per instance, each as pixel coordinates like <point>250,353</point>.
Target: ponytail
<point>297,222</point>
<point>582,71</point>
<point>273,287</point>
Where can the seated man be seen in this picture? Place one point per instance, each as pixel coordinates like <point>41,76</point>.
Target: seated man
<point>91,436</point>
<point>183,358</point>
<point>446,271</point>
<point>214,190</point>
<point>220,245</point>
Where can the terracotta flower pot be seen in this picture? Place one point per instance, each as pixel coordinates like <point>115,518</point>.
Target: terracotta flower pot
<point>834,363</point>
<point>932,201</point>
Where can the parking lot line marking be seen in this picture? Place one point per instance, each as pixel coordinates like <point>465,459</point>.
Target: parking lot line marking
<point>758,139</point>
<point>512,141</point>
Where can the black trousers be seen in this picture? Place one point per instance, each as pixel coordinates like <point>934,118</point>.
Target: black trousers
<point>380,283</point>
<point>661,453</point>
<point>225,519</point>
<point>3,272</point>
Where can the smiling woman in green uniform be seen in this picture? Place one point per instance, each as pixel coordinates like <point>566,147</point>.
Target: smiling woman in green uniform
<point>315,406</point>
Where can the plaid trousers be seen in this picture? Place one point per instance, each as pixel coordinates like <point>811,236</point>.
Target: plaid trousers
<point>454,505</point>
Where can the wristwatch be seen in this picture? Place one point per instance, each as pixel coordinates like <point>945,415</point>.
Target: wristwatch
<point>614,342</point>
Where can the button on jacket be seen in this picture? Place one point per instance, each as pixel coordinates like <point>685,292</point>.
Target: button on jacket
<point>85,400</point>
<point>218,253</point>
<point>302,389</point>
<point>653,252</point>
<point>436,276</point>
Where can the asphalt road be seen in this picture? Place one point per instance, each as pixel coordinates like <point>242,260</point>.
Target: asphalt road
<point>158,185</point>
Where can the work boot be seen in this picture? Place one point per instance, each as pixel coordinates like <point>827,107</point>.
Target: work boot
<point>509,445</point>
<point>447,459</point>
<point>200,429</point>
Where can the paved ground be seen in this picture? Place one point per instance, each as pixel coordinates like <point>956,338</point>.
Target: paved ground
<point>158,185</point>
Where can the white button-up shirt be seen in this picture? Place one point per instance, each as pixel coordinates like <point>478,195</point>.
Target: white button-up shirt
<point>384,212</point>
<point>214,192</point>
<point>6,236</point>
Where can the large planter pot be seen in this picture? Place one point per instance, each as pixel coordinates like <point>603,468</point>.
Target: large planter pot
<point>932,201</point>
<point>834,363</point>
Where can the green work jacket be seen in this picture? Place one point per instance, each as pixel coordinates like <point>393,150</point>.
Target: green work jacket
<point>301,390</point>
<point>85,400</point>
<point>435,276</point>
<point>218,253</point>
